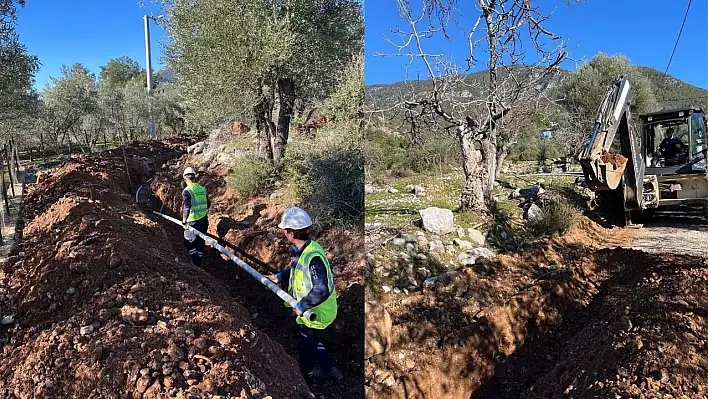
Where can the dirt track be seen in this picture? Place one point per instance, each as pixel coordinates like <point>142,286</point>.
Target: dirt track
<point>681,236</point>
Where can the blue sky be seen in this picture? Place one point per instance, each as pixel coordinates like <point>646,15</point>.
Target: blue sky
<point>89,32</point>
<point>645,31</point>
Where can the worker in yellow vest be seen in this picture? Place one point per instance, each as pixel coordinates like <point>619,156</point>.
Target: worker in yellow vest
<point>194,213</point>
<point>311,283</point>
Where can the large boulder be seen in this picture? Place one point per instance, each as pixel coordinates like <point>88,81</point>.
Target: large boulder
<point>378,335</point>
<point>437,220</point>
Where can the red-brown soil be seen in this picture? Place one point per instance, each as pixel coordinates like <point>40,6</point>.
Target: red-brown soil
<point>106,306</point>
<point>248,225</point>
<point>567,317</point>
<point>616,160</point>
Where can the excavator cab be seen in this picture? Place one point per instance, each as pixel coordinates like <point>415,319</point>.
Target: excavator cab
<point>674,141</point>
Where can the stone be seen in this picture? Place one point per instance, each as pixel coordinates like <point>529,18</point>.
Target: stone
<point>399,242</point>
<point>419,190</point>
<point>70,291</point>
<point>392,191</point>
<point>443,279</point>
<point>422,243</point>
<point>378,333</point>
<point>534,213</point>
<point>86,329</point>
<point>469,257</point>
<point>410,248</point>
<point>143,384</point>
<point>463,244</point>
<point>476,237</point>
<point>437,220</point>
<point>196,148</point>
<point>114,261</point>
<point>370,260</point>
<point>409,238</point>
<point>154,391</point>
<point>7,320</point>
<point>133,314</point>
<point>389,381</point>
<point>386,289</point>
<point>436,246</point>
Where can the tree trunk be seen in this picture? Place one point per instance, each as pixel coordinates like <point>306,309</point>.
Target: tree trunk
<point>489,143</point>
<point>502,153</point>
<point>489,168</point>
<point>286,95</point>
<point>473,191</point>
<point>41,145</point>
<point>265,149</point>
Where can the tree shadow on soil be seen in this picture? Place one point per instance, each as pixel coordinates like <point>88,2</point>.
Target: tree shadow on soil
<point>549,346</point>
<point>226,224</point>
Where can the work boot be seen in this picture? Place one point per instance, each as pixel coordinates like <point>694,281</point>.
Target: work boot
<point>332,374</point>
<point>335,374</point>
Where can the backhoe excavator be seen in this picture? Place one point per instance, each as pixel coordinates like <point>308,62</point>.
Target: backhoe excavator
<point>663,167</point>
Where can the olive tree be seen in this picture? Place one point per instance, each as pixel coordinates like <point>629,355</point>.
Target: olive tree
<point>247,59</point>
<point>508,38</point>
<point>17,67</point>
<point>69,99</point>
<point>584,89</point>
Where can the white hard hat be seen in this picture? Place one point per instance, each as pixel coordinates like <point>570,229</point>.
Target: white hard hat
<point>189,171</point>
<point>295,219</point>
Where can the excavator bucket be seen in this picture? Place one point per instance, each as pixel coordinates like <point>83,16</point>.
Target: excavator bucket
<point>607,171</point>
<point>614,165</point>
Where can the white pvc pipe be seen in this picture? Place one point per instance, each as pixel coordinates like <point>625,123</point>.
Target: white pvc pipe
<point>308,314</point>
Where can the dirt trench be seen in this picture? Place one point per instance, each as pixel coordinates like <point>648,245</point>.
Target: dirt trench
<point>102,305</point>
<point>565,318</point>
<point>253,227</point>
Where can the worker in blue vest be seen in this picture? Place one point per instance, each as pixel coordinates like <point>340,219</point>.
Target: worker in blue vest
<point>311,283</point>
<point>194,213</point>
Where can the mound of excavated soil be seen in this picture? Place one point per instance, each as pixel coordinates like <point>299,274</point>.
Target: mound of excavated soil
<point>247,225</point>
<point>103,306</point>
<point>551,321</point>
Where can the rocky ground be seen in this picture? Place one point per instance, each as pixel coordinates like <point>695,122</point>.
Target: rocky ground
<point>100,301</point>
<point>455,316</point>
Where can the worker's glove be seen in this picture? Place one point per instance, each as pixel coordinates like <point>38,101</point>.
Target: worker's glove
<point>189,235</point>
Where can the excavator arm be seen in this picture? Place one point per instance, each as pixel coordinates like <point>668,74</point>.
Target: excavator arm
<point>603,169</point>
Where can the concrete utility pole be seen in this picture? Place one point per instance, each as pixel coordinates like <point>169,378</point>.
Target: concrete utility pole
<point>148,63</point>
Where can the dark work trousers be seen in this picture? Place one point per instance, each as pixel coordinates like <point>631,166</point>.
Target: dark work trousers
<point>196,247</point>
<point>310,351</point>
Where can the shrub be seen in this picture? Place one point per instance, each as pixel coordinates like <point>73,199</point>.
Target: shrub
<point>396,156</point>
<point>250,176</point>
<point>329,181</point>
<point>557,217</point>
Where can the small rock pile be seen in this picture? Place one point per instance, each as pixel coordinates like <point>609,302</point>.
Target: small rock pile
<point>419,262</point>
<point>217,151</point>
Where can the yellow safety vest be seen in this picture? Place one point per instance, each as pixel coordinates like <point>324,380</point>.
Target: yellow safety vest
<point>301,284</point>
<point>199,202</point>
